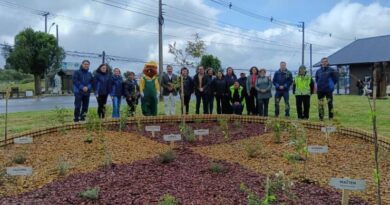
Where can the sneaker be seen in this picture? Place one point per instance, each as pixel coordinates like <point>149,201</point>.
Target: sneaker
<point>76,120</point>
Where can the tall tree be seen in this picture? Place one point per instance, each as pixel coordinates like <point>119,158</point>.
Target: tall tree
<point>34,52</point>
<point>194,50</point>
<point>211,61</point>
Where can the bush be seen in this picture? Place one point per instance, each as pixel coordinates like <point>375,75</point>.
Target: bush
<point>167,156</point>
<point>253,149</point>
<point>216,168</point>
<point>90,193</point>
<point>168,199</point>
<point>62,167</point>
<point>88,139</point>
<point>19,158</point>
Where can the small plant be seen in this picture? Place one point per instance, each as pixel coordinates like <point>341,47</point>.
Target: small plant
<point>88,139</point>
<point>253,199</point>
<point>253,149</point>
<point>94,123</point>
<point>91,193</point>
<point>198,121</point>
<point>223,124</point>
<point>123,119</point>
<point>281,184</point>
<point>60,117</point>
<point>292,157</point>
<point>187,132</point>
<point>216,168</point>
<point>276,126</point>
<point>167,156</point>
<point>19,158</point>
<point>107,158</point>
<point>62,167</point>
<point>237,124</point>
<point>168,199</point>
<point>139,124</point>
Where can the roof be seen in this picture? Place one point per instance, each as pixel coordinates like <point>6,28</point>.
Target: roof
<point>366,50</point>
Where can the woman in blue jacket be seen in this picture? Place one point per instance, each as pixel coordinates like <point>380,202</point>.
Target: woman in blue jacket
<point>116,92</point>
<point>102,86</point>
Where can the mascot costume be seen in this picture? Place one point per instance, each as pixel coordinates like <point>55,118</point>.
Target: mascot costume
<point>149,89</point>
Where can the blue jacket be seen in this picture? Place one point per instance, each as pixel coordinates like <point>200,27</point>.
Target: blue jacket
<point>326,78</point>
<point>82,78</point>
<point>284,79</point>
<point>116,86</point>
<point>102,83</point>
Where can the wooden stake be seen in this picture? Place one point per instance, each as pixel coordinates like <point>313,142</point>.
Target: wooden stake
<point>153,135</point>
<point>345,197</point>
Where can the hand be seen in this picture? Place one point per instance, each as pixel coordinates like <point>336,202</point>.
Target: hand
<point>201,89</point>
<point>281,87</point>
<point>85,88</point>
<point>236,103</point>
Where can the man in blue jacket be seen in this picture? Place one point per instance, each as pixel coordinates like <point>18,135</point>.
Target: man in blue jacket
<point>82,85</point>
<point>326,78</point>
<point>282,81</point>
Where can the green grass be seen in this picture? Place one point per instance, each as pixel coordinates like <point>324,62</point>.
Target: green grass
<point>22,87</point>
<point>351,111</point>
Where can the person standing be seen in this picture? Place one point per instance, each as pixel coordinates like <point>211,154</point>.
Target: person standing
<point>220,91</point>
<point>131,93</point>
<point>303,87</point>
<point>169,91</point>
<point>251,91</point>
<point>282,81</point>
<point>82,86</point>
<point>201,83</point>
<point>210,94</point>
<point>326,78</point>
<point>242,80</point>
<point>116,92</point>
<point>236,94</point>
<point>263,88</point>
<point>188,89</point>
<point>102,86</point>
<point>230,78</point>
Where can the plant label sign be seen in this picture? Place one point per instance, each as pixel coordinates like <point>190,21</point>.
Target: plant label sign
<point>19,171</point>
<point>172,137</point>
<point>23,140</point>
<point>153,128</point>
<point>202,132</point>
<point>317,149</point>
<point>348,184</point>
<point>328,129</point>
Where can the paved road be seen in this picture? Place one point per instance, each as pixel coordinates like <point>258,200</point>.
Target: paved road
<point>46,103</point>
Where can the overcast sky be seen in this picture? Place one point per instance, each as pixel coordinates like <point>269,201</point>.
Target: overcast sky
<point>237,39</point>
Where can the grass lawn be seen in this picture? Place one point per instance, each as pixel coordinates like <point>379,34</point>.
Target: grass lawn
<point>351,111</point>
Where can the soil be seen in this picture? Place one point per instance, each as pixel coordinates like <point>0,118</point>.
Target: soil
<point>188,178</point>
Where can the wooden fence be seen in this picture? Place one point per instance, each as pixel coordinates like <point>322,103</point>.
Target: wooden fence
<point>350,132</point>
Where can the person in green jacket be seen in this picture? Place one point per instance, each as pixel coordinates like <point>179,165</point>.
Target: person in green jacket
<point>303,87</point>
<point>236,95</point>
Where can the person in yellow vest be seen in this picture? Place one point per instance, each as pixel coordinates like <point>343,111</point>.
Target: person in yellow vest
<point>236,96</point>
<point>149,89</point>
<point>303,87</point>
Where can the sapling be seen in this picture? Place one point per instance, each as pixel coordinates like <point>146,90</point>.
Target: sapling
<point>252,149</point>
<point>60,118</point>
<point>62,167</point>
<point>168,199</point>
<point>216,168</point>
<point>166,156</point>
<point>187,132</point>
<point>123,119</point>
<point>139,124</point>
<point>223,123</point>
<point>91,193</point>
<point>276,126</point>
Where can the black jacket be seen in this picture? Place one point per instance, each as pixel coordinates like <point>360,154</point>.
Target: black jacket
<point>219,87</point>
<point>205,84</point>
<point>165,83</point>
<point>131,89</point>
<point>188,85</point>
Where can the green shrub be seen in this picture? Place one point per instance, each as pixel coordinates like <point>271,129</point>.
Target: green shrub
<point>168,199</point>
<point>62,167</point>
<point>167,156</point>
<point>216,168</point>
<point>19,158</point>
<point>88,139</point>
<point>90,193</point>
<point>253,149</point>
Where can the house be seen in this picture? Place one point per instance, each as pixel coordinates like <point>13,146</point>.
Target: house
<point>360,57</point>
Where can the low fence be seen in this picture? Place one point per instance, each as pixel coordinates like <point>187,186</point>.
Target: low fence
<point>350,132</point>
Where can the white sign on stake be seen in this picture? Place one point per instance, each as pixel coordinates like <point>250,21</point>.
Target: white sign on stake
<point>172,137</point>
<point>348,184</point>
<point>317,149</point>
<point>328,129</point>
<point>201,132</point>
<point>23,140</point>
<point>154,128</point>
<point>19,171</point>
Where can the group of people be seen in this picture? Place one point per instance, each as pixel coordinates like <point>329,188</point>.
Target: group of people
<point>229,93</point>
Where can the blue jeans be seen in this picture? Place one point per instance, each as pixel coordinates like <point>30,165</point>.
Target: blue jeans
<point>81,102</point>
<point>278,96</point>
<point>210,103</point>
<point>116,105</point>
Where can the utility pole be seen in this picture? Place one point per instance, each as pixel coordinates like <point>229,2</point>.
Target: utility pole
<point>45,15</point>
<point>303,42</point>
<point>46,72</point>
<point>57,34</point>
<point>311,60</point>
<point>103,57</point>
<point>160,43</point>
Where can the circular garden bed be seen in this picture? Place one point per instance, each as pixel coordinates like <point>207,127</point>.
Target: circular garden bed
<point>236,163</point>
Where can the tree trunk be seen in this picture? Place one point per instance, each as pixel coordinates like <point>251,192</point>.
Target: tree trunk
<point>37,85</point>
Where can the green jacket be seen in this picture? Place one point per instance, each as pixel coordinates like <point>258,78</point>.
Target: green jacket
<point>303,85</point>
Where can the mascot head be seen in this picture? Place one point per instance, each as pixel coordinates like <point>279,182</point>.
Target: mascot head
<point>150,69</point>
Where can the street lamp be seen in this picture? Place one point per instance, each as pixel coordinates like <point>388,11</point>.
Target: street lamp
<point>54,23</point>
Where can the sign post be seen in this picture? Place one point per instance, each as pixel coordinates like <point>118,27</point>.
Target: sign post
<point>23,140</point>
<point>201,133</point>
<point>327,131</point>
<point>347,185</point>
<point>153,129</point>
<point>172,138</point>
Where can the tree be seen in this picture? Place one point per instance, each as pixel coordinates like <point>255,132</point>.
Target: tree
<point>212,62</point>
<point>34,52</point>
<point>194,49</point>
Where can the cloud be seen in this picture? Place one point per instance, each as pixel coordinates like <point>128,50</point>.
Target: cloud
<point>232,45</point>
